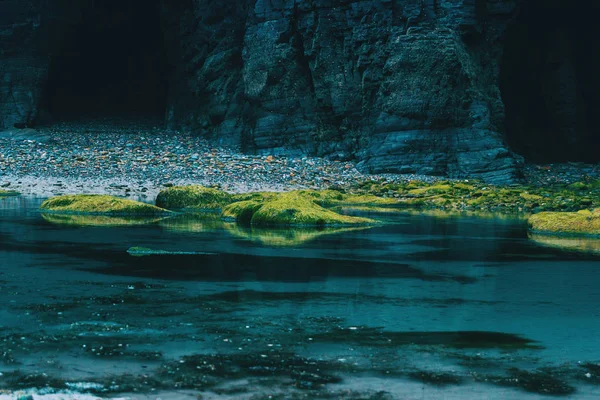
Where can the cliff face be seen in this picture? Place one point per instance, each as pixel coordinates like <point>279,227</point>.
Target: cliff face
<point>22,69</point>
<point>404,86</point>
<point>400,85</point>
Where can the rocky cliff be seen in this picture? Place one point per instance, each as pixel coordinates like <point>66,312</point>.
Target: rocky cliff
<point>409,86</point>
<point>404,86</point>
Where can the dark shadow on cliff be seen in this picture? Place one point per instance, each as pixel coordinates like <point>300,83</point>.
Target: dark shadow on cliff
<point>550,83</point>
<point>111,63</point>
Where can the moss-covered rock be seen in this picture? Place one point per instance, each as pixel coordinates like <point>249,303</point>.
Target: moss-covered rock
<point>8,193</point>
<point>583,222</point>
<point>292,208</point>
<point>330,198</point>
<point>193,198</point>
<point>99,205</point>
<point>478,196</point>
<point>242,211</point>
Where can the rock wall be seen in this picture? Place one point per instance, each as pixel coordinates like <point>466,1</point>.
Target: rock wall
<point>22,70</point>
<point>406,86</point>
<point>403,86</point>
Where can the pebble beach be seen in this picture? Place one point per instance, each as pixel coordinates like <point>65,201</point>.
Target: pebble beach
<point>139,159</point>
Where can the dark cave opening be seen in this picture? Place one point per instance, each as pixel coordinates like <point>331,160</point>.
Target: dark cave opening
<point>112,63</point>
<point>550,83</point>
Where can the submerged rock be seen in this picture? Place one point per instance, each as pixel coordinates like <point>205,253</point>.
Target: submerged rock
<point>99,205</point>
<point>143,251</point>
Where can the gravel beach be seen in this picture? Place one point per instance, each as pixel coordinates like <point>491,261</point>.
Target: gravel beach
<point>139,159</point>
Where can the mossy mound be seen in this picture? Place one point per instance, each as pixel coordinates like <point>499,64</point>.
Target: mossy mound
<point>8,193</point>
<point>291,209</point>
<point>192,198</point>
<point>583,222</point>
<point>93,204</point>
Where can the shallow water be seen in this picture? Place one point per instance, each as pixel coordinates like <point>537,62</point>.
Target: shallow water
<point>423,307</point>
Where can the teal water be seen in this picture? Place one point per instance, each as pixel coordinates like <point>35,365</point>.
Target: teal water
<point>422,307</point>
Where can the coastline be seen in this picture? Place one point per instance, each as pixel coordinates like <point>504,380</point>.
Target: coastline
<point>137,160</point>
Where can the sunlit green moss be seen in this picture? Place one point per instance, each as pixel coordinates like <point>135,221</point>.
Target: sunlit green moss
<point>99,205</point>
<point>257,196</point>
<point>329,198</point>
<point>292,208</point>
<point>480,197</point>
<point>583,222</point>
<point>192,198</point>
<point>241,211</point>
<point>97,220</point>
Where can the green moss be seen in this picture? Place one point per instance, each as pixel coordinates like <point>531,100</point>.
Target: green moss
<point>583,222</point>
<point>480,197</point>
<point>434,189</point>
<point>99,205</point>
<point>8,193</point>
<point>330,198</point>
<point>577,186</point>
<point>293,208</point>
<point>256,196</point>
<point>531,197</point>
<point>193,198</point>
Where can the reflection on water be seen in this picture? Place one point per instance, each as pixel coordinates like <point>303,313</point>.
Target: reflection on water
<point>423,307</point>
<point>96,220</point>
<point>580,244</point>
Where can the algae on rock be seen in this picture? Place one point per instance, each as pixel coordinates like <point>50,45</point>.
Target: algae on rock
<point>291,208</point>
<point>99,205</point>
<point>193,198</point>
<point>477,196</point>
<point>583,222</point>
